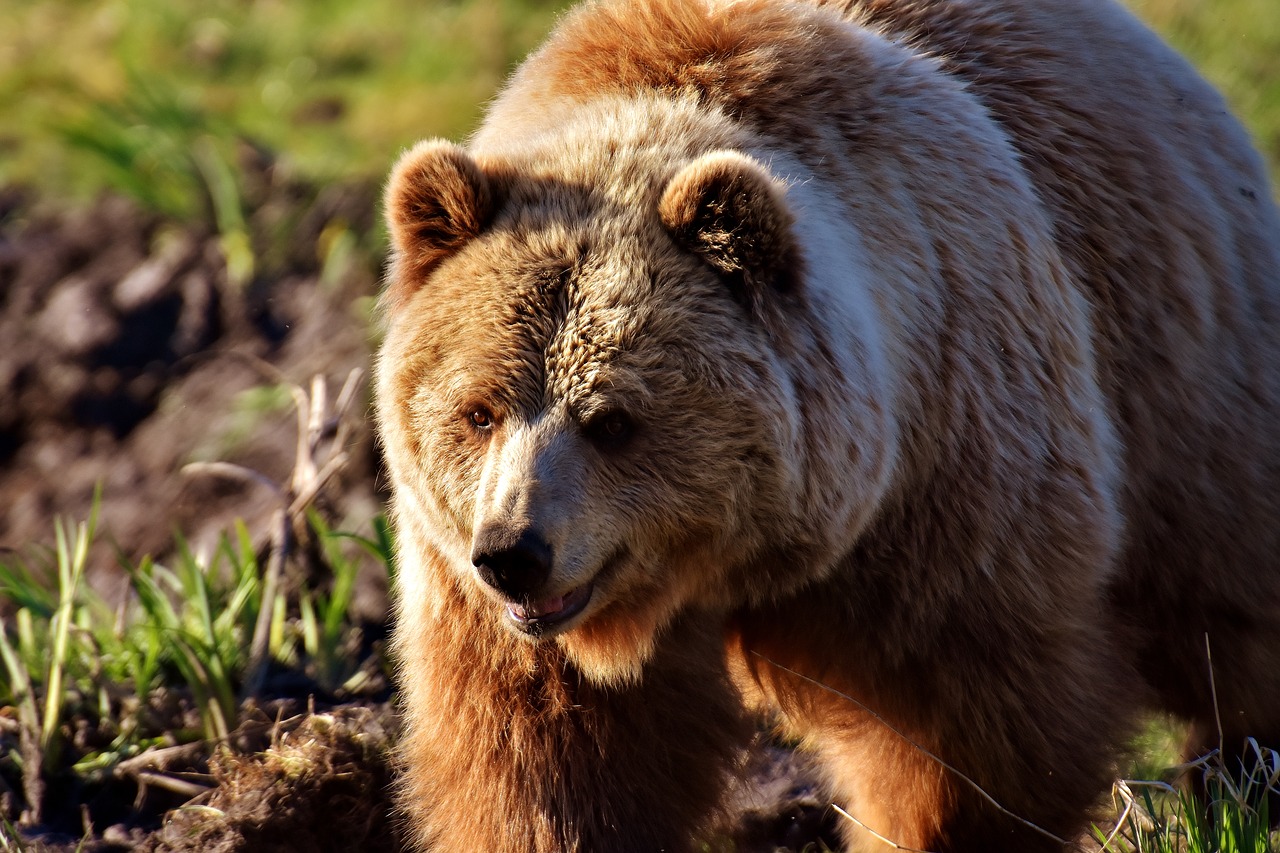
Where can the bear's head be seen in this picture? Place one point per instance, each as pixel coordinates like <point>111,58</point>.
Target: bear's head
<point>581,392</point>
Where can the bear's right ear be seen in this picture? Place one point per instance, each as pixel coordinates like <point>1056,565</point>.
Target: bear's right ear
<point>437,199</point>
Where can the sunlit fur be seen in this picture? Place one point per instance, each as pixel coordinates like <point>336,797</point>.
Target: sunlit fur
<point>949,335</point>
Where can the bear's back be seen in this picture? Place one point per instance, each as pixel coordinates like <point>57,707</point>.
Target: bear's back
<point>1163,213</point>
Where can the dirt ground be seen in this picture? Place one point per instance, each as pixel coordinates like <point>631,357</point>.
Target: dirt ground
<point>127,355</point>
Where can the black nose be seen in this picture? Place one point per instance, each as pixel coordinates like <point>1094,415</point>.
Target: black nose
<point>515,566</point>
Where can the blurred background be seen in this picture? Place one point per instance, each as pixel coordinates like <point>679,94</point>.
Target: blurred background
<point>110,95</point>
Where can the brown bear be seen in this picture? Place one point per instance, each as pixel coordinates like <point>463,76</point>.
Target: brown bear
<point>907,371</point>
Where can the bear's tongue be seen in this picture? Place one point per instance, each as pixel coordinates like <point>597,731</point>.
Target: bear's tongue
<point>537,609</point>
<point>546,608</point>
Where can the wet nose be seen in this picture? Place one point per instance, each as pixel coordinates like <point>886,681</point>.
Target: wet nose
<point>513,565</point>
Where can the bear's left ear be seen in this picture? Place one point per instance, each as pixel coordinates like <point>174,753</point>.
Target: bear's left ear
<point>437,199</point>
<point>728,209</point>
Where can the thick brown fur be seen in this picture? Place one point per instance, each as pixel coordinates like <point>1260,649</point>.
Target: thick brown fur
<point>905,370</point>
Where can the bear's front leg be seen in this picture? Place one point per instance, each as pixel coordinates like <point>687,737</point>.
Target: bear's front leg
<point>508,749</point>
<point>996,738</point>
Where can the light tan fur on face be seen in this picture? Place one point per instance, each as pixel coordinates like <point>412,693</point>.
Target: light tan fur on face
<point>946,343</point>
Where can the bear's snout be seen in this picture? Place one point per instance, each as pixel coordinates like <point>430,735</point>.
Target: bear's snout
<point>514,562</point>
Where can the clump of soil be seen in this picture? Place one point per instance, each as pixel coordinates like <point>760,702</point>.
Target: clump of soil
<point>289,778</point>
<point>322,785</point>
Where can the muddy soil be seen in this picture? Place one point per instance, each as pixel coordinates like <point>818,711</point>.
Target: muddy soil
<point>128,353</point>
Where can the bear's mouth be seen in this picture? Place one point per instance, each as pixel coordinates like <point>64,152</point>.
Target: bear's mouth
<point>537,617</point>
<point>546,616</point>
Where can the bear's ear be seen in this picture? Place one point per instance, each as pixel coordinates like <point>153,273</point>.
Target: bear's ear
<point>437,199</point>
<point>727,208</point>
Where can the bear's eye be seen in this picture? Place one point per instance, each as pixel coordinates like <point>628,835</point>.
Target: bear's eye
<point>481,418</point>
<point>610,429</point>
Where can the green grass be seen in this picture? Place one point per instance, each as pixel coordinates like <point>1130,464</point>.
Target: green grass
<point>67,654</point>
<point>333,89</point>
<point>164,99</point>
<point>1156,817</point>
<point>87,683</point>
